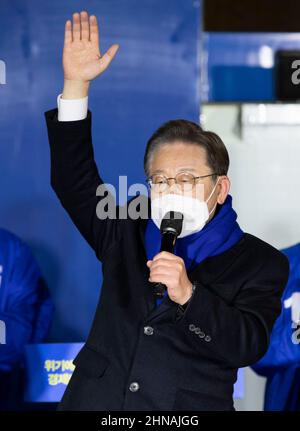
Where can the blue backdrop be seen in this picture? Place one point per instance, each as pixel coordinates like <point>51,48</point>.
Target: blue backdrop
<point>153,78</point>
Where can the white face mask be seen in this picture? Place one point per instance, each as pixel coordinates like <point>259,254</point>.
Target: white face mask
<point>195,212</point>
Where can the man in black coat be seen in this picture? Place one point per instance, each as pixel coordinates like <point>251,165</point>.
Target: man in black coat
<point>217,316</point>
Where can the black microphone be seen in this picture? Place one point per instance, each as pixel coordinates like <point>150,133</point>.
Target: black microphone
<point>170,228</point>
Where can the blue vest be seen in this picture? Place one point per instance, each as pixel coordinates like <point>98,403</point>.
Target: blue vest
<point>281,363</point>
<point>26,308</point>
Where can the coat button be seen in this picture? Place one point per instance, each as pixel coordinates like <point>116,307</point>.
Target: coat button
<point>201,334</point>
<point>192,327</point>
<point>197,331</point>
<point>134,386</point>
<point>148,330</point>
<point>207,338</point>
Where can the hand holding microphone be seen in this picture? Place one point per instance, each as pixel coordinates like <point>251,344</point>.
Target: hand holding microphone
<point>167,270</point>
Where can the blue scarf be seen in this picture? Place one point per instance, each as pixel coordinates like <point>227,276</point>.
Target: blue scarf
<point>217,235</point>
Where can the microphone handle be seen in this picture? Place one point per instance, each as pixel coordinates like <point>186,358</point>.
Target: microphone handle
<point>167,244</point>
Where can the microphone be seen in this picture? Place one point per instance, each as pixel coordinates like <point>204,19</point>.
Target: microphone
<point>170,228</point>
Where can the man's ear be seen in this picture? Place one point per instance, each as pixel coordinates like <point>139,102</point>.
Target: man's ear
<point>224,189</point>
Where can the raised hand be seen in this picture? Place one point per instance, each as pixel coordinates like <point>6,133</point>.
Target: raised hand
<point>82,60</point>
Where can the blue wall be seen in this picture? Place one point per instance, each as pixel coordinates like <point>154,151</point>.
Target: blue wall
<point>153,78</point>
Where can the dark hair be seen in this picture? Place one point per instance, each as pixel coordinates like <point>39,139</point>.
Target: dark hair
<point>217,157</point>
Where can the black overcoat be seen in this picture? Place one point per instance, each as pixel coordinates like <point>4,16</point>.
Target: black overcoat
<point>141,357</point>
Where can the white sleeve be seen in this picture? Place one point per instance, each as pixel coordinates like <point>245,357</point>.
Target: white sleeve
<point>72,109</point>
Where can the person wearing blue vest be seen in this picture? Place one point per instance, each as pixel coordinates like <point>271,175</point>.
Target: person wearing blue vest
<point>26,311</point>
<point>281,363</point>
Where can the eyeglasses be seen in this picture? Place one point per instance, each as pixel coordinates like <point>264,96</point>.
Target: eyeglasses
<point>185,180</point>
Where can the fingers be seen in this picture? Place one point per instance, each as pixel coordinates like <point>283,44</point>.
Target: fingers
<point>81,27</point>
<point>162,263</point>
<point>76,27</point>
<point>166,255</point>
<point>85,26</point>
<point>109,55</point>
<point>94,31</point>
<point>161,269</point>
<point>68,32</point>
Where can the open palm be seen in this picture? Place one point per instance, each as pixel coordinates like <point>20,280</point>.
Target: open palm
<point>81,54</point>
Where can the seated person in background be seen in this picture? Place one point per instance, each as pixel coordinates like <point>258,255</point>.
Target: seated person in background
<point>26,311</point>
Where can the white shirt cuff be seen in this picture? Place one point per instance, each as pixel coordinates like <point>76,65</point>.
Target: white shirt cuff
<point>72,109</point>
